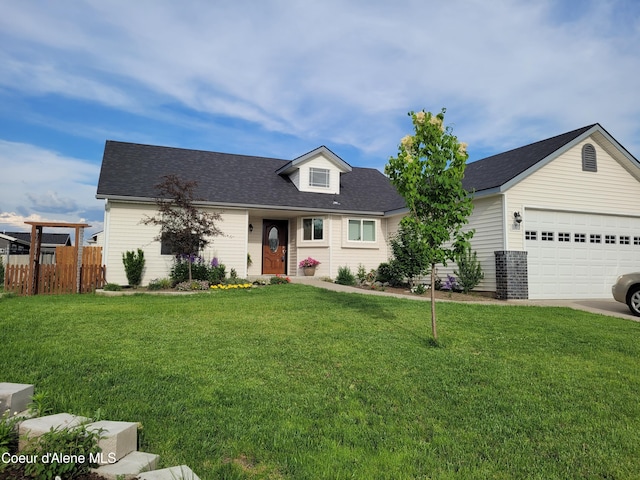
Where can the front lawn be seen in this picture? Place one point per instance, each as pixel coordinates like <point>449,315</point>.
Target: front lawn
<point>294,382</point>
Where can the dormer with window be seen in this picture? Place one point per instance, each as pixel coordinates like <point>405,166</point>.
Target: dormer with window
<point>317,171</point>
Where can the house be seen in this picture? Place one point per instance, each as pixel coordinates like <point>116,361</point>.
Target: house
<point>559,218</point>
<point>15,246</point>
<point>274,212</point>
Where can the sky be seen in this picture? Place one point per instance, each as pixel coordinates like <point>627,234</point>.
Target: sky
<point>278,78</point>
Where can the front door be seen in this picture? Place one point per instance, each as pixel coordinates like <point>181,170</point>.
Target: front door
<point>274,247</point>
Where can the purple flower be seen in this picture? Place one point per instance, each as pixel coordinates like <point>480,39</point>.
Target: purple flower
<point>215,262</point>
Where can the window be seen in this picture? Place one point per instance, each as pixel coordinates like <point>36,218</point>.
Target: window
<point>610,239</point>
<point>595,238</point>
<point>636,240</point>
<point>312,229</point>
<point>589,163</point>
<point>546,237</point>
<point>580,238</point>
<point>564,237</point>
<point>319,177</point>
<point>362,230</point>
<point>530,235</point>
<point>625,240</point>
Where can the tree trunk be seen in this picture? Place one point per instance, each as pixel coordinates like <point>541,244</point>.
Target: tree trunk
<point>433,302</point>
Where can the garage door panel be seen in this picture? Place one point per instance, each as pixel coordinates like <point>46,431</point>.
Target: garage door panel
<point>573,269</point>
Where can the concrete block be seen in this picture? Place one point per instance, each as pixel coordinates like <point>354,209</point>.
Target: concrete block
<point>181,472</point>
<point>117,439</point>
<point>129,467</point>
<point>15,397</point>
<point>35,427</point>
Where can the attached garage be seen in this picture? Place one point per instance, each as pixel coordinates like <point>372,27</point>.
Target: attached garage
<point>565,216</point>
<point>578,255</point>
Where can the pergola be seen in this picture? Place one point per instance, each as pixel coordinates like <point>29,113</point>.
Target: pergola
<point>36,247</point>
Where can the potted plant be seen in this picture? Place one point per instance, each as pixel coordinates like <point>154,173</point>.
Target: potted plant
<point>308,266</point>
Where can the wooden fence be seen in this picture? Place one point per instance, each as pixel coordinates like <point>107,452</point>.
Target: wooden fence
<point>63,277</point>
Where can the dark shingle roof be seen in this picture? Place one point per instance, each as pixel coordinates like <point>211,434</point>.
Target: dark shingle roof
<point>133,170</point>
<point>495,171</point>
<point>47,238</point>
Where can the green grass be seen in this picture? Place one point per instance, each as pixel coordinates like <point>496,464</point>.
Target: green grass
<point>294,382</point>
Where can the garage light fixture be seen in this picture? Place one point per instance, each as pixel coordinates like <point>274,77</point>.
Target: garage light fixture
<point>517,217</point>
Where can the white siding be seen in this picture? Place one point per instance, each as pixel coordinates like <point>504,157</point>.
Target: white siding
<point>562,185</point>
<point>125,232</point>
<point>487,220</point>
<point>319,162</point>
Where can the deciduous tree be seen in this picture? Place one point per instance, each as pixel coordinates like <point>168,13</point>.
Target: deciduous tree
<point>428,172</point>
<point>184,227</point>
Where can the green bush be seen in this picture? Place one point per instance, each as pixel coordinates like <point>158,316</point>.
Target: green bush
<point>1,272</point>
<point>78,443</point>
<point>279,280</point>
<point>217,274</point>
<point>469,271</point>
<point>345,276</point>
<point>390,273</point>
<point>212,272</point>
<point>133,267</point>
<point>112,287</point>
<point>159,284</point>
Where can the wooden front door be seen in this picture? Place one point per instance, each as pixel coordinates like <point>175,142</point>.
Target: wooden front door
<point>274,247</point>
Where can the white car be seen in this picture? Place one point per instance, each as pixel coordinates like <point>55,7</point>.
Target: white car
<point>627,290</point>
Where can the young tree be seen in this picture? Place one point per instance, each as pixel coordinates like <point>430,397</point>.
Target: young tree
<point>183,227</point>
<point>428,173</point>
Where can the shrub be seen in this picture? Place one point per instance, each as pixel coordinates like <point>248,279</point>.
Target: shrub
<point>451,284</point>
<point>362,274</point>
<point>469,271</point>
<point>1,272</point>
<point>112,287</point>
<point>345,276</point>
<point>390,273</point>
<point>159,284</point>
<point>133,267</point>
<point>193,285</point>
<point>8,435</point>
<point>213,272</point>
<point>277,280</point>
<point>409,253</point>
<point>78,443</point>
<point>217,274</point>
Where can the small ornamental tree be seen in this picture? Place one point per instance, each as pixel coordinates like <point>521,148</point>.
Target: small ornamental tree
<point>428,173</point>
<point>184,228</point>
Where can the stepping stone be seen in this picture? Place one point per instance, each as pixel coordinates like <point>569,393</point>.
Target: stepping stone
<point>117,439</point>
<point>181,472</point>
<point>15,397</point>
<point>35,427</point>
<point>128,467</point>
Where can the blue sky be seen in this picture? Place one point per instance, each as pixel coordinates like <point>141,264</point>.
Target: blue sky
<point>279,78</point>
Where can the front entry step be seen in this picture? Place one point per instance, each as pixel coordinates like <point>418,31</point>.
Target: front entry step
<point>129,467</point>
<point>117,439</point>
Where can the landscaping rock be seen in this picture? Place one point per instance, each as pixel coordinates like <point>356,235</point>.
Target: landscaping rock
<point>36,427</point>
<point>15,397</point>
<point>117,439</point>
<point>129,467</point>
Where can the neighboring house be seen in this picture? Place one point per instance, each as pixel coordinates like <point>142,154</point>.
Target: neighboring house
<point>18,245</point>
<point>578,198</point>
<point>276,212</point>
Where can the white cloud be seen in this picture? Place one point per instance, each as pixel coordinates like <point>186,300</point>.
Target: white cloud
<point>41,185</point>
<point>509,71</point>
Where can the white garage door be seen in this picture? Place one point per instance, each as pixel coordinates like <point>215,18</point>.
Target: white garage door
<point>576,255</point>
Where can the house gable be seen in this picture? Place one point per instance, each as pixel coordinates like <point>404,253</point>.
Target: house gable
<point>318,171</point>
